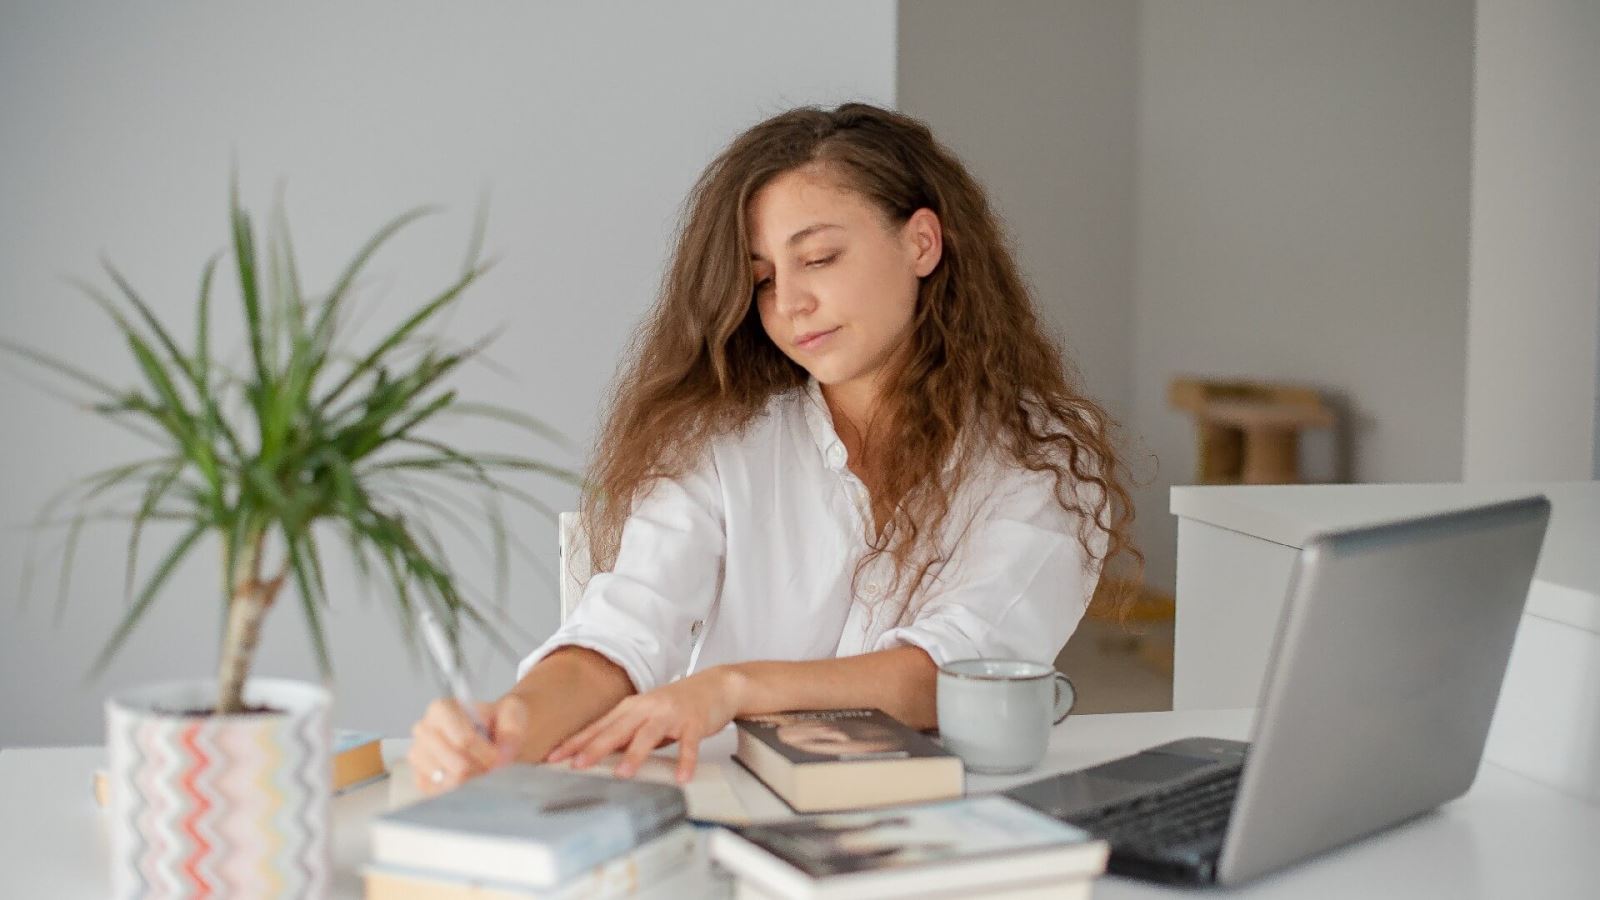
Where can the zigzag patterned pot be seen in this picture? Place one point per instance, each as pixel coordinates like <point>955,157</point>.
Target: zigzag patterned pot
<point>219,806</point>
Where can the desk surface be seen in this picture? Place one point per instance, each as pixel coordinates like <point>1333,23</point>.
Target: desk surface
<point>1509,836</point>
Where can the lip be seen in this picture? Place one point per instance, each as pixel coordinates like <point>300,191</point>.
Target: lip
<point>813,338</point>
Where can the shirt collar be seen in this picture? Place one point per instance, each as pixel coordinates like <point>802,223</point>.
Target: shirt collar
<point>819,421</point>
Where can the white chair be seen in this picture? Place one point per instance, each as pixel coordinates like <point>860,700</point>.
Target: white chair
<point>574,547</point>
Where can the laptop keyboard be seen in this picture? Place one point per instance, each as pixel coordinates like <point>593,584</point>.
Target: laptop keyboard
<point>1174,834</point>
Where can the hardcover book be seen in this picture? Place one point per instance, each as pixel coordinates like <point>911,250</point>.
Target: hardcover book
<point>617,877</point>
<point>526,825</point>
<point>837,759</point>
<point>956,848</point>
<point>357,759</point>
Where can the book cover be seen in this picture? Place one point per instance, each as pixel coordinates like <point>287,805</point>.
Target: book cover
<point>825,760</point>
<point>528,825</point>
<point>953,845</point>
<point>838,735</point>
<point>620,876</point>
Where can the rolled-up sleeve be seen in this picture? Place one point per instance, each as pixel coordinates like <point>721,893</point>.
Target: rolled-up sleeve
<point>1019,586</point>
<point>668,571</point>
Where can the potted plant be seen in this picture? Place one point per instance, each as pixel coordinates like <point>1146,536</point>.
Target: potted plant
<point>221,785</point>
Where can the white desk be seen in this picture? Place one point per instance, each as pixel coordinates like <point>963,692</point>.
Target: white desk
<point>1508,837</point>
<point>1236,546</point>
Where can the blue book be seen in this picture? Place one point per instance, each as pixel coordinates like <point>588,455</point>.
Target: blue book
<point>534,826</point>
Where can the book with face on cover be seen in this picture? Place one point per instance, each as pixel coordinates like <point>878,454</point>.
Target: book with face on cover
<point>836,759</point>
<point>967,847</point>
<point>526,825</point>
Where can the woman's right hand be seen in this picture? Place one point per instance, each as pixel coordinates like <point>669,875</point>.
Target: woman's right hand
<point>446,750</point>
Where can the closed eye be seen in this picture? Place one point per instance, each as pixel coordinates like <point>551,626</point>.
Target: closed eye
<point>816,262</point>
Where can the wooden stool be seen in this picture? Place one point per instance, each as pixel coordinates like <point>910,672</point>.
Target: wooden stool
<point>1249,432</point>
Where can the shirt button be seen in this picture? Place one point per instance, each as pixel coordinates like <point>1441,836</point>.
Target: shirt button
<point>836,455</point>
<point>873,589</point>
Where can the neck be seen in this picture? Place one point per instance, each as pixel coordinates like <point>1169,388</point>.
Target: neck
<point>852,405</point>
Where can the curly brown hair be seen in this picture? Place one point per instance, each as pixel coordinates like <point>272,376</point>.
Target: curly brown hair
<point>979,361</point>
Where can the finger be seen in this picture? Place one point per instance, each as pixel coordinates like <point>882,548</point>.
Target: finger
<point>572,744</point>
<point>569,746</point>
<point>688,754</point>
<point>452,725</point>
<point>437,768</point>
<point>644,742</point>
<point>608,741</point>
<point>433,742</point>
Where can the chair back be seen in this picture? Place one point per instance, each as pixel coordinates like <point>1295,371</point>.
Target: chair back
<point>574,559</point>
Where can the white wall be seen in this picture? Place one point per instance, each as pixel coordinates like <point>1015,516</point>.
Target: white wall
<point>589,122</point>
<point>1037,98</point>
<point>1302,182</point>
<point>1533,391</point>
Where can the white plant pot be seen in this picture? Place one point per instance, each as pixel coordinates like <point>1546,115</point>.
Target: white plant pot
<point>219,806</point>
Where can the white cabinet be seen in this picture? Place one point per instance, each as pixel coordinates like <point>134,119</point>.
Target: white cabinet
<point>1236,548</point>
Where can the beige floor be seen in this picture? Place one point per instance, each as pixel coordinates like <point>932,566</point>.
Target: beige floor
<point>1118,668</point>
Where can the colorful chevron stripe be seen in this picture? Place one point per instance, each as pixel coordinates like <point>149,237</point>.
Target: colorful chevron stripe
<point>219,806</point>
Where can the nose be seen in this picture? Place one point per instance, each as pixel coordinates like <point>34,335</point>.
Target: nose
<point>790,297</point>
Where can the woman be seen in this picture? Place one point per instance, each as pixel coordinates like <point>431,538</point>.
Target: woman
<point>844,447</point>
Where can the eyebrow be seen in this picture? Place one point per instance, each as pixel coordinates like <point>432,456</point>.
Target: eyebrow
<point>800,235</point>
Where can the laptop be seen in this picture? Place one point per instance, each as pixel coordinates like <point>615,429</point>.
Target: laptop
<point>1375,707</point>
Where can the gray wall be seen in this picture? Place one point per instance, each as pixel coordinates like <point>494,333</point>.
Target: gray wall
<point>1303,175</point>
<point>1037,98</point>
<point>1532,411</point>
<point>587,121</point>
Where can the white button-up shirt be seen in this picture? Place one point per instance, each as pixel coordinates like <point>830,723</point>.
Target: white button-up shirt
<point>774,520</point>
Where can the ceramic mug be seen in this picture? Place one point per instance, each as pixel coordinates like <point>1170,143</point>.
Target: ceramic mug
<point>996,714</point>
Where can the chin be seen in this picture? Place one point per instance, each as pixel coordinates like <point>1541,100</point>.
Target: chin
<point>829,373</point>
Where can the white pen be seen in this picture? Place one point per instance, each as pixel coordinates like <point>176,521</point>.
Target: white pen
<point>450,669</point>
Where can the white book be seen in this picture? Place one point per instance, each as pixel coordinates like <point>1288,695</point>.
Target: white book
<point>976,845</point>
<point>619,877</point>
<point>533,826</point>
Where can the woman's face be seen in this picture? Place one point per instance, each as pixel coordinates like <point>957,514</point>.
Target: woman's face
<point>835,286</point>
<point>828,738</point>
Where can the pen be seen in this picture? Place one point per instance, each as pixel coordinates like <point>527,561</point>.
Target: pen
<point>450,669</point>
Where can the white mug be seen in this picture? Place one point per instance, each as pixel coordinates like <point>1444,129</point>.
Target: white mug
<point>996,714</point>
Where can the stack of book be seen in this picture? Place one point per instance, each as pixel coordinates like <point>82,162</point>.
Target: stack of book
<point>523,832</point>
<point>989,846</point>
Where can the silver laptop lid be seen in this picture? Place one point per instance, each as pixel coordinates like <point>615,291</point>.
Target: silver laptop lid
<point>1383,679</point>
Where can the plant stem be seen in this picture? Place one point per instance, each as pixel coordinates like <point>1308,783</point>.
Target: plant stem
<point>252,597</point>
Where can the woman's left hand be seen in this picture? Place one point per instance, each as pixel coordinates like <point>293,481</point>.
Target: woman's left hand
<point>686,711</point>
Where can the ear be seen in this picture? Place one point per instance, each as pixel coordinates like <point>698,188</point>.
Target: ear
<point>924,241</point>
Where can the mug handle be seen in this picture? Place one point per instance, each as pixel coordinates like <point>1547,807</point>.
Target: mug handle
<point>1066,697</point>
